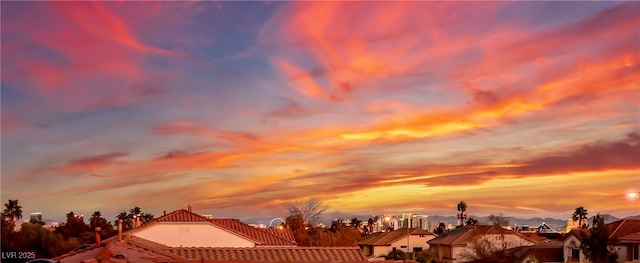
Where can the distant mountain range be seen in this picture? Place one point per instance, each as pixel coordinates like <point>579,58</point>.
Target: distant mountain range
<point>433,220</point>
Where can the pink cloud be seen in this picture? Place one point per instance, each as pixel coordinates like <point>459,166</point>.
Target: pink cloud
<point>9,122</point>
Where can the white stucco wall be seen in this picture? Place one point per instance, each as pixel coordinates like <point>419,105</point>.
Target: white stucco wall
<point>192,235</point>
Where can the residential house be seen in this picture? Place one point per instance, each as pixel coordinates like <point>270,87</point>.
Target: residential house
<point>465,243</point>
<point>183,228</point>
<point>183,236</point>
<point>407,240</point>
<point>625,237</point>
<point>546,252</point>
<point>571,247</point>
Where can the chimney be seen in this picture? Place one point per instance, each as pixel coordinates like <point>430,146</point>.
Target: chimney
<point>189,208</point>
<point>119,229</point>
<point>97,229</point>
<point>165,213</point>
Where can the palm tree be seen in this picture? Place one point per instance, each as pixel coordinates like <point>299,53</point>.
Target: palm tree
<point>96,214</point>
<point>580,214</point>
<point>96,219</point>
<point>126,220</point>
<point>144,217</point>
<point>462,207</point>
<point>136,211</point>
<point>12,211</point>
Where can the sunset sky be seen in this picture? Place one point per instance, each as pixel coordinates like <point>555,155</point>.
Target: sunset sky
<point>521,108</point>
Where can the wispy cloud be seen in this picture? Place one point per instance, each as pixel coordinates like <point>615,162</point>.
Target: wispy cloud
<point>354,102</point>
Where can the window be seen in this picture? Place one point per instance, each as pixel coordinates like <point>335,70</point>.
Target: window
<point>403,246</point>
<point>417,249</point>
<point>636,252</point>
<point>575,253</point>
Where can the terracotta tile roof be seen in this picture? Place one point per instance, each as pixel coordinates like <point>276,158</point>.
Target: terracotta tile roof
<point>624,227</point>
<point>181,215</point>
<point>284,233</point>
<point>574,232</point>
<point>460,236</point>
<point>630,237</point>
<point>258,235</point>
<point>548,254</point>
<point>541,253</point>
<point>386,238</point>
<point>90,250</point>
<point>535,237</point>
<point>137,249</point>
<point>134,247</point>
<point>550,243</point>
<point>273,254</point>
<point>550,251</point>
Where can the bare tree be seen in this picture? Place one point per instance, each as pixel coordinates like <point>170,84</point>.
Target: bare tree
<point>309,210</point>
<point>492,245</point>
<point>498,220</point>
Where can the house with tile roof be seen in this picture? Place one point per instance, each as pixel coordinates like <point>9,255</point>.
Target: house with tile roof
<point>381,243</point>
<point>463,243</point>
<point>571,247</point>
<point>183,236</point>
<point>183,228</point>
<point>132,249</point>
<point>546,252</point>
<point>625,237</point>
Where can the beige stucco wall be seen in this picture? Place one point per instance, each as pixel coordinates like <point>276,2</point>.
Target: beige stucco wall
<point>192,235</point>
<point>381,250</point>
<point>414,241</point>
<point>570,243</point>
<point>622,255</point>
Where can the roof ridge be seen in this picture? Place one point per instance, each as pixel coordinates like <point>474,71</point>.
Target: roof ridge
<point>268,248</point>
<point>617,228</point>
<point>183,211</point>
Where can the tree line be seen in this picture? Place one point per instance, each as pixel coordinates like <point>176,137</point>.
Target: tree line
<point>303,218</point>
<point>73,233</point>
